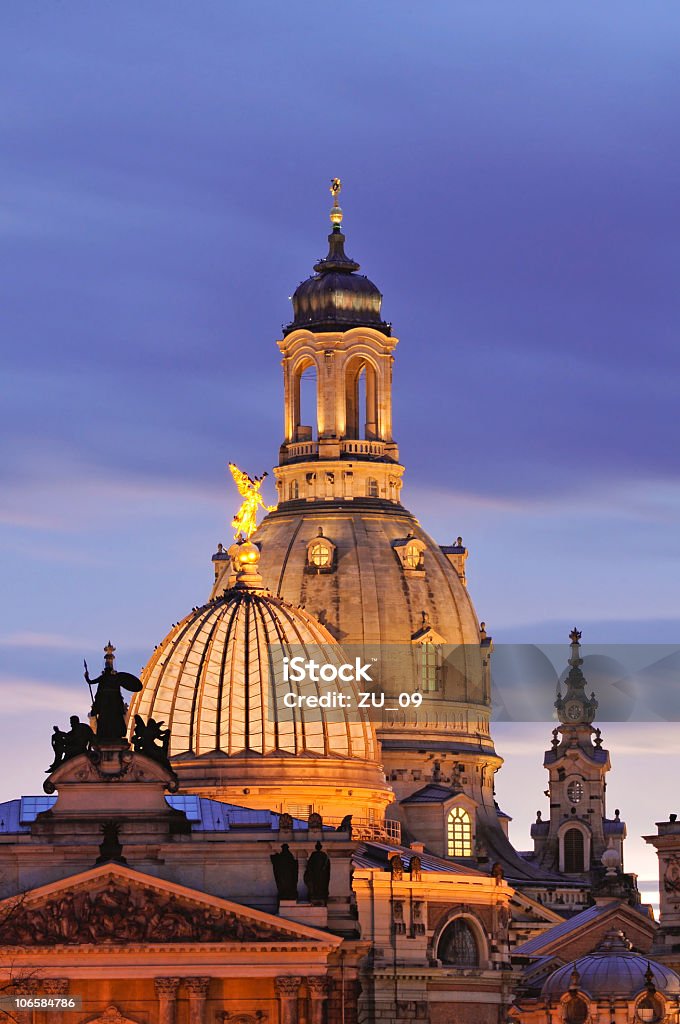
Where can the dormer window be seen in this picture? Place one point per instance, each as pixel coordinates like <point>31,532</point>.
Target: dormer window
<point>413,556</point>
<point>411,553</point>
<point>321,554</point>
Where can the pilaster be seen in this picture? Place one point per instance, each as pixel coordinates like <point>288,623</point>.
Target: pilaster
<point>287,989</point>
<point>166,992</point>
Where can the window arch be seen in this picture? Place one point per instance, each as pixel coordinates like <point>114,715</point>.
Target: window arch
<point>304,400</point>
<point>459,833</point>
<point>575,1009</point>
<point>458,944</point>
<point>372,489</point>
<point>574,851</point>
<point>361,392</point>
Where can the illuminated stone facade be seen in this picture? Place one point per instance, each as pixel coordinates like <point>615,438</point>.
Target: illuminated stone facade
<point>306,868</point>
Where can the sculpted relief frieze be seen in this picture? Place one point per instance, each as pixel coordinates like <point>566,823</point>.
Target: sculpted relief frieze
<point>125,914</point>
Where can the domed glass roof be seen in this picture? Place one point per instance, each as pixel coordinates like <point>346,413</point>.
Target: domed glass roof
<point>613,970</point>
<point>212,682</point>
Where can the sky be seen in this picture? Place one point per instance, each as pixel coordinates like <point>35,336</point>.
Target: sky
<point>510,183</point>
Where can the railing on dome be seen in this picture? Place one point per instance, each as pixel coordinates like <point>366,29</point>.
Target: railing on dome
<point>300,449</point>
<point>363,447</point>
<point>371,831</point>
<point>306,449</point>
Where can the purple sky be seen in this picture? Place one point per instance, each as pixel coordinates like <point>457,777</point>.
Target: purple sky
<point>511,175</point>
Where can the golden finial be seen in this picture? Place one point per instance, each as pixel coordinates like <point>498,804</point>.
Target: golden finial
<point>336,212</point>
<point>245,520</point>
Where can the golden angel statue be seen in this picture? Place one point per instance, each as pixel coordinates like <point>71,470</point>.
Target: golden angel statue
<point>245,520</point>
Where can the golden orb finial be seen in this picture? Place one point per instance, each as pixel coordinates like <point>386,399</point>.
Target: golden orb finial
<point>245,520</point>
<point>336,212</point>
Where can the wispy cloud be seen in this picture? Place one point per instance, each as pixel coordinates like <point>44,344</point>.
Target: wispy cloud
<point>47,641</point>
<point>20,695</point>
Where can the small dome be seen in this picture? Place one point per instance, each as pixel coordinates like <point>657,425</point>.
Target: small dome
<point>612,971</point>
<point>336,298</point>
<point>213,681</point>
<point>209,681</point>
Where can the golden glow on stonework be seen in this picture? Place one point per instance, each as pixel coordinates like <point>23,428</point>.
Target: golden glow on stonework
<point>245,520</point>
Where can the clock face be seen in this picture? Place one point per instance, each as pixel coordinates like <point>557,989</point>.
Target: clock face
<point>575,791</point>
<point>574,712</point>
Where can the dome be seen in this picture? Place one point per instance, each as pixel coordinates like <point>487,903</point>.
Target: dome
<point>347,600</point>
<point>336,297</point>
<point>612,971</point>
<point>209,681</point>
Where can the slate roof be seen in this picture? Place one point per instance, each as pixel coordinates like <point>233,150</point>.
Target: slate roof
<point>431,794</point>
<point>377,855</point>
<point>205,815</point>
<point>536,945</point>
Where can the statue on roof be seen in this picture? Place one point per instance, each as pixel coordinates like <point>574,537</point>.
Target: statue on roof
<point>317,875</point>
<point>108,706</point>
<point>245,520</point>
<point>151,739</point>
<point>285,868</point>
<point>77,740</point>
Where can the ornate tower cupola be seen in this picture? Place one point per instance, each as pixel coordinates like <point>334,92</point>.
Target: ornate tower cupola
<point>578,832</point>
<point>337,338</point>
<point>575,710</point>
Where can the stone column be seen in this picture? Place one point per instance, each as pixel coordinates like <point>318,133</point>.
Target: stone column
<point>198,993</point>
<point>287,988</point>
<point>166,990</point>
<point>55,987</point>
<point>318,994</point>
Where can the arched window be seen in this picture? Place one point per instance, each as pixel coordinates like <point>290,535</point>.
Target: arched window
<point>372,487</point>
<point>573,851</point>
<point>413,556</point>
<point>429,662</point>
<point>459,833</point>
<point>361,394</point>
<point>458,945</point>
<point>320,554</point>
<point>304,401</point>
<point>293,490</point>
<point>575,1009</point>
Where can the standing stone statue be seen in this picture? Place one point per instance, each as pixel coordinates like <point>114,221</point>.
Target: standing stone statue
<point>318,875</point>
<point>286,870</point>
<point>108,706</point>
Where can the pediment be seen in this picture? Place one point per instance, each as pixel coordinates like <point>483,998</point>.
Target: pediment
<point>115,905</point>
<point>428,635</point>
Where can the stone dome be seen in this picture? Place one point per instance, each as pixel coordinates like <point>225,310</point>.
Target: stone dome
<point>349,599</point>
<point>213,681</point>
<point>336,297</point>
<point>612,971</point>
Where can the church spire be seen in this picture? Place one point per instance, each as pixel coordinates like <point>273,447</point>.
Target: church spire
<point>575,708</point>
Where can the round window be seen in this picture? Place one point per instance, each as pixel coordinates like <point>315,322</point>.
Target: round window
<point>319,555</point>
<point>575,791</point>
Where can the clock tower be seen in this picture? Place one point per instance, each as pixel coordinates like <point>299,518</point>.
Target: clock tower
<point>578,831</point>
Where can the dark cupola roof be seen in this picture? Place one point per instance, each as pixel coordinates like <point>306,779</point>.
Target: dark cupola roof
<point>336,298</point>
